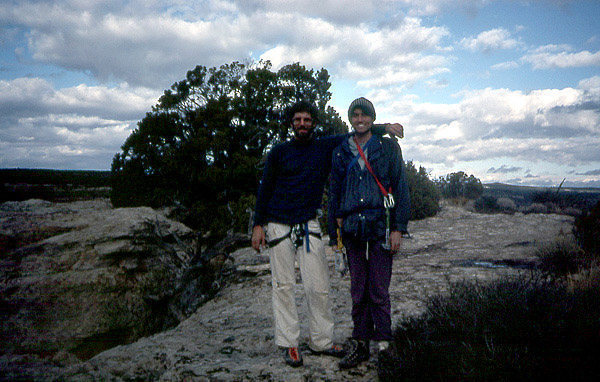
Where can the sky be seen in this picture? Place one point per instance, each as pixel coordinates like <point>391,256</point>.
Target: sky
<point>507,90</point>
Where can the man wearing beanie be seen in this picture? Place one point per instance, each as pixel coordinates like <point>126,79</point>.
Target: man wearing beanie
<point>369,200</point>
<point>288,197</point>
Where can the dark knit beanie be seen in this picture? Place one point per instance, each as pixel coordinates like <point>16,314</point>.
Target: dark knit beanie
<point>364,104</point>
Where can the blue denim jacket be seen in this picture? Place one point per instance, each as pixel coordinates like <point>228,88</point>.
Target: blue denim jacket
<point>355,196</point>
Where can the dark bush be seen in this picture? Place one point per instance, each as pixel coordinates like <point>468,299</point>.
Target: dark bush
<point>508,330</point>
<point>586,229</point>
<point>562,201</point>
<point>486,204</point>
<point>561,258</point>
<point>424,195</point>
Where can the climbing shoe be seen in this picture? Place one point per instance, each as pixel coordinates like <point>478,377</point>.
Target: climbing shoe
<point>357,351</point>
<point>334,351</point>
<point>293,357</point>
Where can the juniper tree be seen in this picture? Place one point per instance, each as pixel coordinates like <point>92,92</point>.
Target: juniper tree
<point>201,145</point>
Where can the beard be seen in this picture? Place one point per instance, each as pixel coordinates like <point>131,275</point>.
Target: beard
<point>304,135</point>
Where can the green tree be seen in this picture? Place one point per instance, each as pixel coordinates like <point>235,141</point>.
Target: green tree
<point>459,184</point>
<point>201,145</point>
<point>424,195</point>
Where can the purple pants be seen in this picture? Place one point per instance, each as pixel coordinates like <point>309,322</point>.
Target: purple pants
<point>369,287</point>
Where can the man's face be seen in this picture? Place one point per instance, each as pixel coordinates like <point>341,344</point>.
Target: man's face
<point>302,123</point>
<point>361,122</point>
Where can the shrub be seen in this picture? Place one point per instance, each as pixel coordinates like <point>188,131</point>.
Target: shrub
<point>511,329</point>
<point>564,202</point>
<point>489,204</point>
<point>534,208</point>
<point>460,201</point>
<point>424,195</point>
<point>506,205</point>
<point>486,204</point>
<point>561,258</point>
<point>586,229</point>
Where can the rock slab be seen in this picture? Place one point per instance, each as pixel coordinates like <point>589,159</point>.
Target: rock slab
<point>231,336</point>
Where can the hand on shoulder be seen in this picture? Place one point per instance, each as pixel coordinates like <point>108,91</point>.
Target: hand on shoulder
<point>395,129</point>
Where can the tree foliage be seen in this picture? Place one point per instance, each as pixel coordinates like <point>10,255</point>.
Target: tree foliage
<point>459,184</point>
<point>424,195</point>
<point>201,145</point>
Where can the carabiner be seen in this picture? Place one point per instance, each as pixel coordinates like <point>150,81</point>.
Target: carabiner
<point>388,201</point>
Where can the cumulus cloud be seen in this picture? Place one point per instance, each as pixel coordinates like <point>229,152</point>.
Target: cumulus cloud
<point>493,39</point>
<point>134,49</point>
<point>155,49</point>
<point>561,56</point>
<point>47,143</point>
<point>338,11</point>
<point>542,126</point>
<point>24,97</point>
<point>434,7</point>
<point>80,127</point>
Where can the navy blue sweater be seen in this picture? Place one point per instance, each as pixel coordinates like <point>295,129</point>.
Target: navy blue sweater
<point>293,180</point>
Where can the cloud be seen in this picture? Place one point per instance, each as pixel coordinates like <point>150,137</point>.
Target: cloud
<point>45,143</point>
<point>154,49</point>
<point>337,11</point>
<point>434,7</point>
<point>437,83</point>
<point>560,57</point>
<point>493,39</point>
<point>592,172</point>
<point>555,126</point>
<point>79,127</point>
<point>23,97</point>
<point>504,169</point>
<point>372,57</point>
<point>133,49</point>
<point>583,184</point>
<point>505,65</point>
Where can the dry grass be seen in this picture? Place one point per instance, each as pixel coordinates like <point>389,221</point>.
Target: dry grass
<point>507,330</point>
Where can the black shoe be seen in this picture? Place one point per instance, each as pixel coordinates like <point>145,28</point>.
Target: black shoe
<point>357,352</point>
<point>293,357</point>
<point>334,351</point>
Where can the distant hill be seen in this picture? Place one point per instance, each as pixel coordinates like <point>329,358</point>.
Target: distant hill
<point>53,185</point>
<point>503,186</point>
<point>87,178</point>
<point>565,196</point>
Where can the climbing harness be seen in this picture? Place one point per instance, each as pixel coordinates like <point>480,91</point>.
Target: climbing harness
<point>298,233</point>
<point>388,198</point>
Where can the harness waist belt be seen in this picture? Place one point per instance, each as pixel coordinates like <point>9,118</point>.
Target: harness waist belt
<point>297,234</point>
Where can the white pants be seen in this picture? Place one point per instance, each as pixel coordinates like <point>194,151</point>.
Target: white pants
<point>315,278</point>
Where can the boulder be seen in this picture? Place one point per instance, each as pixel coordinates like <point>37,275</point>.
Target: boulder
<point>79,278</point>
